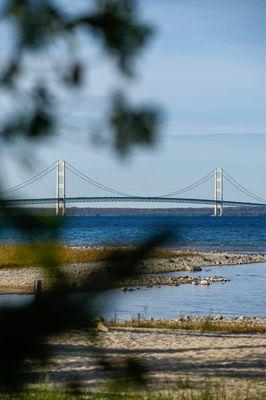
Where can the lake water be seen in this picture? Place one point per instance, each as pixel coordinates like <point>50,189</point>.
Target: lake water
<point>239,234</point>
<point>244,294</point>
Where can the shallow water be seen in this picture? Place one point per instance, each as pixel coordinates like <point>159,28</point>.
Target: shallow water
<point>245,295</point>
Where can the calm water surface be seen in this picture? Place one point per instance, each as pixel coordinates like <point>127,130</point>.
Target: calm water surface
<point>244,295</point>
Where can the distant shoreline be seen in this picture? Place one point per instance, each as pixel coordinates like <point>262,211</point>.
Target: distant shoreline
<point>145,212</point>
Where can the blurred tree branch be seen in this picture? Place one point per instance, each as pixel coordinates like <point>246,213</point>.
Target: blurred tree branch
<point>116,26</point>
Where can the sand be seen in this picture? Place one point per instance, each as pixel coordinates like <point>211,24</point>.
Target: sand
<point>235,360</point>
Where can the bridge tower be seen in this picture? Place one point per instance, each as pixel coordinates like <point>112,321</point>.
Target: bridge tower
<point>218,192</point>
<point>60,207</point>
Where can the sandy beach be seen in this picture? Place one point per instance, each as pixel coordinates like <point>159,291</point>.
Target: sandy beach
<point>236,361</point>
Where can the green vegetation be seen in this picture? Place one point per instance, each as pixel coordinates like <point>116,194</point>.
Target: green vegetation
<point>206,325</point>
<point>206,391</point>
<point>12,255</point>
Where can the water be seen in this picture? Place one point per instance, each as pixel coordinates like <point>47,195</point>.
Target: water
<point>238,234</point>
<point>243,295</point>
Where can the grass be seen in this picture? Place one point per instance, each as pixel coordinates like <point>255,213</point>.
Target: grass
<point>184,383</point>
<point>205,391</point>
<point>206,325</point>
<point>12,255</point>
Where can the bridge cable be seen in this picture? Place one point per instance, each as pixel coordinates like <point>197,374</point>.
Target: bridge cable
<point>243,191</point>
<point>192,186</point>
<point>242,188</point>
<point>30,181</point>
<point>95,183</point>
<point>114,191</point>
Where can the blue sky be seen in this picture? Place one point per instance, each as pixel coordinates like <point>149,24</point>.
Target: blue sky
<point>205,67</point>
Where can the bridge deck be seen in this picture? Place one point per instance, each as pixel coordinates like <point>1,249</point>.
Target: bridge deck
<point>138,199</point>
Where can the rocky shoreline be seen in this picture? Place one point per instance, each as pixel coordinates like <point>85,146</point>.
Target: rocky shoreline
<point>194,262</point>
<point>194,321</point>
<point>151,281</point>
<point>21,280</point>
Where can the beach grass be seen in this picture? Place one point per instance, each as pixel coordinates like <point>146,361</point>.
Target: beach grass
<point>206,325</point>
<point>205,391</point>
<point>16,255</point>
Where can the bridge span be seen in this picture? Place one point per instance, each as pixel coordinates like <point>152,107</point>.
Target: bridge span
<point>131,199</point>
<point>65,173</point>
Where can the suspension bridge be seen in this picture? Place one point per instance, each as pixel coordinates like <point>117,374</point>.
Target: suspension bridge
<point>60,184</point>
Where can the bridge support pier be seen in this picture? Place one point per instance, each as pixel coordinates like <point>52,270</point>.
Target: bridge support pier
<point>218,193</point>
<point>60,207</point>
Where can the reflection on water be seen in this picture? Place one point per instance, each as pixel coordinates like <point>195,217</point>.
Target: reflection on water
<point>244,295</point>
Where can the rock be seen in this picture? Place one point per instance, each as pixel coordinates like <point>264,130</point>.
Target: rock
<point>101,327</point>
<point>184,318</point>
<point>241,318</point>
<point>194,283</point>
<point>193,268</point>
<point>204,282</point>
<point>197,268</point>
<point>218,317</point>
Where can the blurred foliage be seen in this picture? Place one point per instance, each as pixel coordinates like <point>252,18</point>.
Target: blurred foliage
<point>116,25</point>
<point>132,126</point>
<point>25,329</point>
